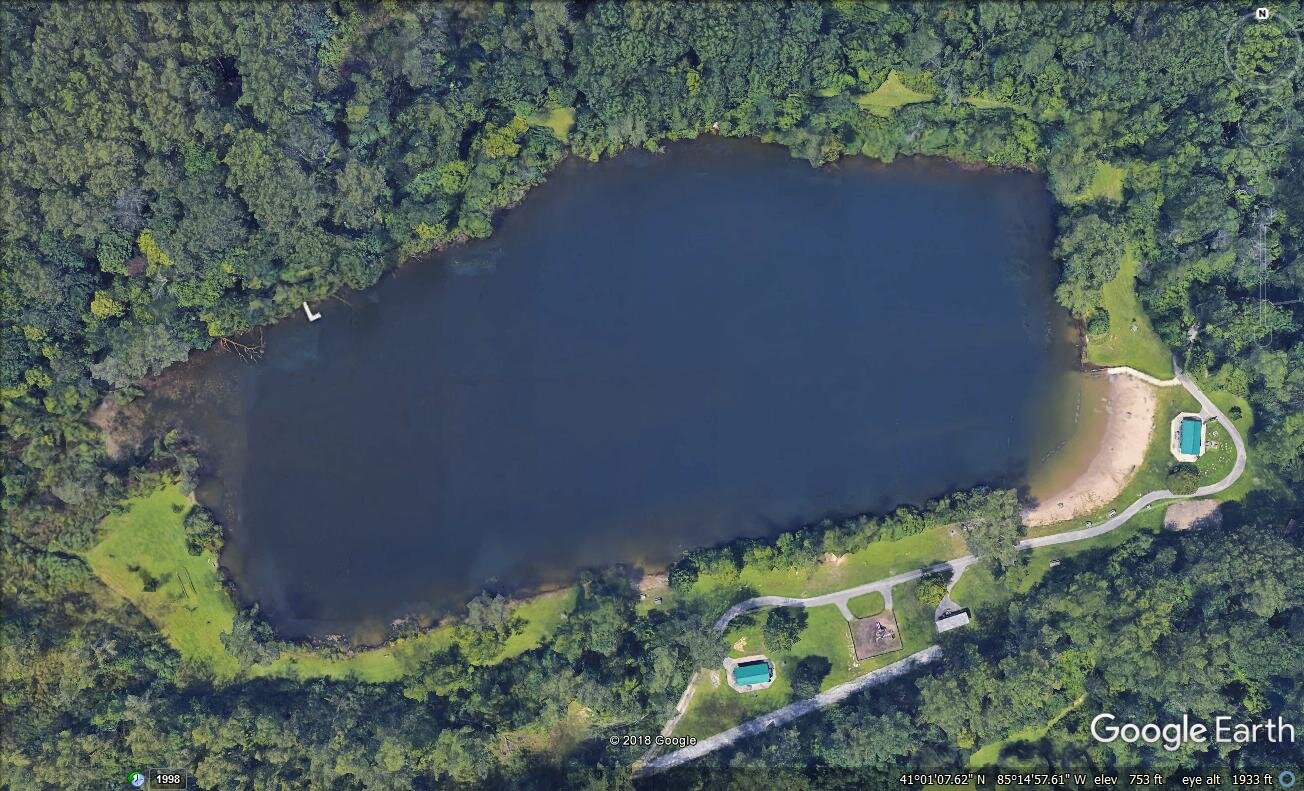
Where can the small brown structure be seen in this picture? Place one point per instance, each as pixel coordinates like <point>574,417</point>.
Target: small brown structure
<point>875,635</point>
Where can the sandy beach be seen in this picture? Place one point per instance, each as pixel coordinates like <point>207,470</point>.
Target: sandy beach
<point>1131,415</point>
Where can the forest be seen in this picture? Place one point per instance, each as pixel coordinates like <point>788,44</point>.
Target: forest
<point>178,175</point>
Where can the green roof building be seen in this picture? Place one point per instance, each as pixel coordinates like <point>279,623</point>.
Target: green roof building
<point>757,672</point>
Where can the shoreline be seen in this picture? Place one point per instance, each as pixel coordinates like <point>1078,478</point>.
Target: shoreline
<point>189,373</point>
<point>1130,405</point>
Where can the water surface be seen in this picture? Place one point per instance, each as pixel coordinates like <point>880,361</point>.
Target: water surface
<point>651,353</point>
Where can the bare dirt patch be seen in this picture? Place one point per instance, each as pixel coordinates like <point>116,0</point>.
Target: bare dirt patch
<point>1192,513</point>
<point>875,635</point>
<point>648,582</point>
<point>1131,417</point>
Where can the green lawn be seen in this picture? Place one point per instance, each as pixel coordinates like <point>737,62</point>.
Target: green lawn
<point>879,559</point>
<point>715,708</point>
<point>145,547</point>
<point>890,95</point>
<point>1131,340</point>
<point>718,708</point>
<point>1219,453</point>
<point>989,754</point>
<point>142,556</point>
<point>866,606</point>
<point>398,658</point>
<point>560,120</point>
<point>1106,183</point>
<point>915,622</point>
<point>1256,476</point>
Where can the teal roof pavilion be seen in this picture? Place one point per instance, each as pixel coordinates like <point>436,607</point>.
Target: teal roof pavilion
<point>757,672</point>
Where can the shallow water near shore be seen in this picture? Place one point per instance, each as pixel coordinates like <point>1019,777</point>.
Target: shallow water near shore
<point>651,353</point>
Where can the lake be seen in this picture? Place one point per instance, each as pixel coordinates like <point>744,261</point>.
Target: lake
<point>651,353</point>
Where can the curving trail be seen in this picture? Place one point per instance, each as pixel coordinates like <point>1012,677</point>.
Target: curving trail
<point>840,598</point>
<point>1208,410</point>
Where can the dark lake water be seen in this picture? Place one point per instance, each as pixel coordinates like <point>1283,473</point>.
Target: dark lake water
<point>651,353</point>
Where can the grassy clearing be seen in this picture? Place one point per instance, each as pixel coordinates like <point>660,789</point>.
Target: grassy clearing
<point>1256,476</point>
<point>1106,184</point>
<point>386,663</point>
<point>890,95</point>
<point>1131,340</point>
<point>914,621</point>
<point>866,606</point>
<point>718,708</point>
<point>560,120</point>
<point>651,592</point>
<point>542,615</point>
<point>142,556</point>
<point>556,740</point>
<point>879,559</point>
<point>399,658</point>
<point>989,754</point>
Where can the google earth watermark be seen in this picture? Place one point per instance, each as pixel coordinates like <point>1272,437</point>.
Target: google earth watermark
<point>1173,735</point>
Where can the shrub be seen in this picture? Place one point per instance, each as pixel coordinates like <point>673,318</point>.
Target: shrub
<point>930,588</point>
<point>203,533</point>
<point>1098,324</point>
<point>783,627</point>
<point>1183,478</point>
<point>807,676</point>
<point>682,574</point>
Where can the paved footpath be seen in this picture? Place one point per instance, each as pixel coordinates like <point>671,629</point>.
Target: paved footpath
<point>651,765</point>
<point>840,598</point>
